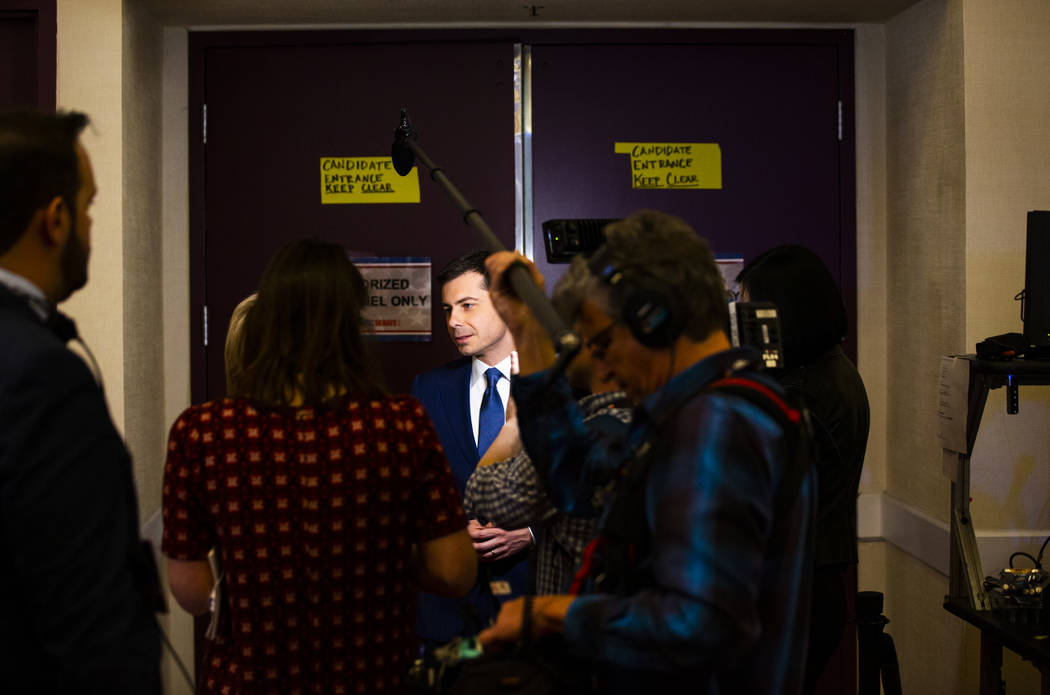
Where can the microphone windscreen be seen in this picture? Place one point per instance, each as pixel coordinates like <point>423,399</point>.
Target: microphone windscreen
<point>402,156</point>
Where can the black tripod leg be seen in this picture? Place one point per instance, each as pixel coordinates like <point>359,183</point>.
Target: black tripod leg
<point>891,670</point>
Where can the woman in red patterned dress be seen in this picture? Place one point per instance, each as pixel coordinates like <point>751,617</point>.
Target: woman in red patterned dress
<point>328,502</point>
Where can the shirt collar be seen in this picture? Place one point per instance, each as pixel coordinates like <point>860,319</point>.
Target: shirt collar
<point>478,369</point>
<point>688,383</point>
<point>27,290</point>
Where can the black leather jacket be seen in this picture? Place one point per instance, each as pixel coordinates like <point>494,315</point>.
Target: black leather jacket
<point>832,390</point>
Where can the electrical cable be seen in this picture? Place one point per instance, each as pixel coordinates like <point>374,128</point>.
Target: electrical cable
<point>1038,566</point>
<point>97,373</point>
<point>1039,559</point>
<point>175,656</point>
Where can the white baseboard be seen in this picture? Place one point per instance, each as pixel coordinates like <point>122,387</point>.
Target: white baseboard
<point>869,517</point>
<point>882,517</point>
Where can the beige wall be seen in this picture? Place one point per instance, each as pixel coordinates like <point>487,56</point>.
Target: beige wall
<point>926,254</point>
<point>1007,87</point>
<point>144,382</point>
<point>110,69</point>
<point>1007,65</point>
<point>176,282</point>
<point>923,276</point>
<point>870,128</point>
<point>90,80</point>
<point>146,335</point>
<point>175,223</point>
<point>967,155</point>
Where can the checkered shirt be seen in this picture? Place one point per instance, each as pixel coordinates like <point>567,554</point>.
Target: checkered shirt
<point>511,495</point>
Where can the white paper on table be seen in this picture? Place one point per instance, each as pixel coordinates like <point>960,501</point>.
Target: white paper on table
<point>952,398</point>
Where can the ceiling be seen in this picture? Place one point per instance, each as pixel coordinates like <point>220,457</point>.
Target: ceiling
<point>467,13</point>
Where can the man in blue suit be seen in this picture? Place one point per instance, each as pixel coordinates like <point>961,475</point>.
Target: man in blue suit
<point>466,400</point>
<point>76,609</point>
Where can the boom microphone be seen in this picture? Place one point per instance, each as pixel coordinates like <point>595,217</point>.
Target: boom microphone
<point>400,153</point>
<point>403,152</point>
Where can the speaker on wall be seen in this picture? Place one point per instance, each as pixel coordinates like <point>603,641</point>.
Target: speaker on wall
<point>1037,279</point>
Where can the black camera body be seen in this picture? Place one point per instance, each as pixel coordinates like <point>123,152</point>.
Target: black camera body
<point>757,325</point>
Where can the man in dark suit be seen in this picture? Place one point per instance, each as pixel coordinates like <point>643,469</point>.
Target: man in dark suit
<point>75,590</point>
<point>466,400</point>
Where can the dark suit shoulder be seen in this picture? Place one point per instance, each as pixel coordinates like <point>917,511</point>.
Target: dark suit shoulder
<point>21,329</point>
<point>29,351</point>
<point>445,370</point>
<point>439,377</point>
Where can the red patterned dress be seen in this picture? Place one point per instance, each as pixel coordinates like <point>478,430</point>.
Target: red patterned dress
<point>314,513</point>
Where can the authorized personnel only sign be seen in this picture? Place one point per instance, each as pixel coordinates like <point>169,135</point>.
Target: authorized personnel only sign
<point>399,300</point>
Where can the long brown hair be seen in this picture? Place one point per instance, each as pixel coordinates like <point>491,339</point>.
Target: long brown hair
<point>302,338</point>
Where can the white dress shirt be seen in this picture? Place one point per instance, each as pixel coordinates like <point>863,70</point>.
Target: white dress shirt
<point>478,384</point>
<point>37,301</point>
<point>24,288</point>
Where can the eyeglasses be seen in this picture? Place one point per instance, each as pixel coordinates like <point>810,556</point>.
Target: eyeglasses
<point>599,343</point>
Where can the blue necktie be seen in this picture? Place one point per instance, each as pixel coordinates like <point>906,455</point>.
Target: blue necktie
<point>492,417</point>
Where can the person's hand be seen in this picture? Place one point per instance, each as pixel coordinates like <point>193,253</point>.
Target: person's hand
<point>534,347</point>
<point>507,628</point>
<point>514,311</point>
<point>493,543</point>
<point>548,617</point>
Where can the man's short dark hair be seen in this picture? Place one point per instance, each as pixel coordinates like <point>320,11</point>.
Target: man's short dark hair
<point>38,162</point>
<point>660,251</point>
<point>470,262</point>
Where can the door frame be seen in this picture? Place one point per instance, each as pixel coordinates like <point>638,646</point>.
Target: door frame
<point>45,16</point>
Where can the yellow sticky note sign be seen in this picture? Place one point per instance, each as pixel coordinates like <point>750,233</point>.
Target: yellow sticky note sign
<point>366,180</point>
<point>673,165</point>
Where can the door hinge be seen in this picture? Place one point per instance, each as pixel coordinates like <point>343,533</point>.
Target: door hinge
<point>205,325</point>
<point>204,123</point>
<point>840,120</point>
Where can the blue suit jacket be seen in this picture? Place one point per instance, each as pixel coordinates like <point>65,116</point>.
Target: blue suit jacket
<point>445,393</point>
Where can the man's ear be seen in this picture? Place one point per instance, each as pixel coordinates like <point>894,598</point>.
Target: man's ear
<point>55,225</point>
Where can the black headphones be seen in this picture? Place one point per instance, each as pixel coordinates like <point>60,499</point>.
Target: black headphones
<point>649,309</point>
